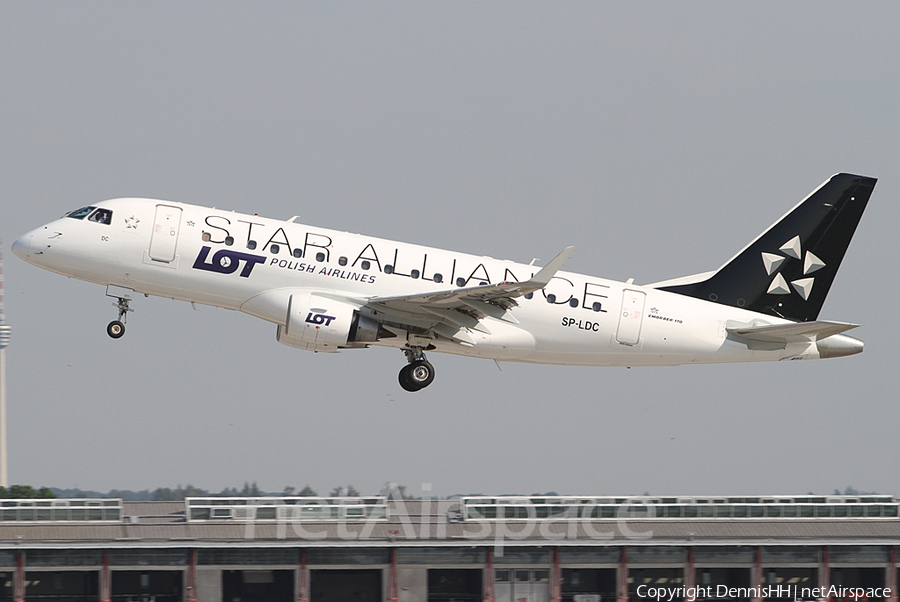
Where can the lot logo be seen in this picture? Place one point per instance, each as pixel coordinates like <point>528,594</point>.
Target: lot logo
<point>226,261</point>
<point>312,318</point>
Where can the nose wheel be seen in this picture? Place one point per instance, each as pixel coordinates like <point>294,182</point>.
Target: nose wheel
<point>418,373</point>
<point>116,328</point>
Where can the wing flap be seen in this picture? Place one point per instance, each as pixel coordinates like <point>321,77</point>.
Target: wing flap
<point>491,310</point>
<point>455,333</point>
<point>459,318</point>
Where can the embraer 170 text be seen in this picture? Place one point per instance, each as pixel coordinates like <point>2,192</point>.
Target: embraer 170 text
<point>328,290</point>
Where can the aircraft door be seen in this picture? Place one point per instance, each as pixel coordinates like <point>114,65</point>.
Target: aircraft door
<point>164,237</point>
<point>631,317</point>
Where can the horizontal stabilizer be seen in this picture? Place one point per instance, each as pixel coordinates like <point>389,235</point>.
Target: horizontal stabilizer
<point>788,333</point>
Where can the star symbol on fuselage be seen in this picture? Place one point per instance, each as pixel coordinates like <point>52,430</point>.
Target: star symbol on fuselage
<point>791,250</point>
<point>132,222</point>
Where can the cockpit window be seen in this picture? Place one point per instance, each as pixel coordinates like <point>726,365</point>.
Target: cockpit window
<point>101,216</point>
<point>80,213</point>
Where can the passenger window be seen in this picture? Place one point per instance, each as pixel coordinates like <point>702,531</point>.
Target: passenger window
<point>101,216</point>
<point>80,213</point>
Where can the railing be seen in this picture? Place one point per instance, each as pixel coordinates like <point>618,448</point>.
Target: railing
<point>60,510</point>
<point>645,507</point>
<point>314,509</point>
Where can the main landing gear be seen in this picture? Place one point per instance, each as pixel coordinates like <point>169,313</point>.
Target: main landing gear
<point>116,328</point>
<point>418,373</point>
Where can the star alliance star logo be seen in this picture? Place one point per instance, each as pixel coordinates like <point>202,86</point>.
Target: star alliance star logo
<point>132,222</point>
<point>779,285</point>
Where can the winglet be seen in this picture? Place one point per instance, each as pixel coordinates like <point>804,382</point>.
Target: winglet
<point>542,278</point>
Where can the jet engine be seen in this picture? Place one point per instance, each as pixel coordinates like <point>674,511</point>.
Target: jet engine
<point>319,323</point>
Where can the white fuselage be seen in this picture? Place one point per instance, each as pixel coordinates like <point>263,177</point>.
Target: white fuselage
<point>248,263</point>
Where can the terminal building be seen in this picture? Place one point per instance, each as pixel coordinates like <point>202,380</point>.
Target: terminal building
<point>484,548</point>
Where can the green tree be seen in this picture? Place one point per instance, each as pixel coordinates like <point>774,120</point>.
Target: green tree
<point>25,492</point>
<point>250,490</point>
<point>191,491</point>
<point>164,494</point>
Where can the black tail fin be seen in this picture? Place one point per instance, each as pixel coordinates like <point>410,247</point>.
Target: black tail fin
<point>788,269</point>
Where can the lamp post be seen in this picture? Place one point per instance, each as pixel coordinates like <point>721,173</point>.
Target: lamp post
<point>5,332</point>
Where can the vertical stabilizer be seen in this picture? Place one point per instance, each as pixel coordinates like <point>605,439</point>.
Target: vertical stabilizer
<point>788,270</point>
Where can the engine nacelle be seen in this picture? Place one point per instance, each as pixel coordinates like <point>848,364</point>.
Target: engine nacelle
<point>318,323</point>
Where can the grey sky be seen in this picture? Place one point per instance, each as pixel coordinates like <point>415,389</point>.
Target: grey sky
<point>657,138</point>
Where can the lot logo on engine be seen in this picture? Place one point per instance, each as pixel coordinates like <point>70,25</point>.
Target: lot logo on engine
<point>226,261</point>
<point>313,318</point>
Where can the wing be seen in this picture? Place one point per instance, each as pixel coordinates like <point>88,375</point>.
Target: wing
<point>450,313</point>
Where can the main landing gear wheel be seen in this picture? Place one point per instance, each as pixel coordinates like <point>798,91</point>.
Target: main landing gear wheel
<point>416,375</point>
<point>115,329</point>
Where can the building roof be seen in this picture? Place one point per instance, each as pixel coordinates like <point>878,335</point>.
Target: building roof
<point>434,524</point>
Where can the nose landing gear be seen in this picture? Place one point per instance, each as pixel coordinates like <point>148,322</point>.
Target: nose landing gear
<point>116,328</point>
<point>418,373</point>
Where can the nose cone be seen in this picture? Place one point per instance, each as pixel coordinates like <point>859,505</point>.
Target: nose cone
<point>839,345</point>
<point>23,246</point>
<point>32,246</point>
